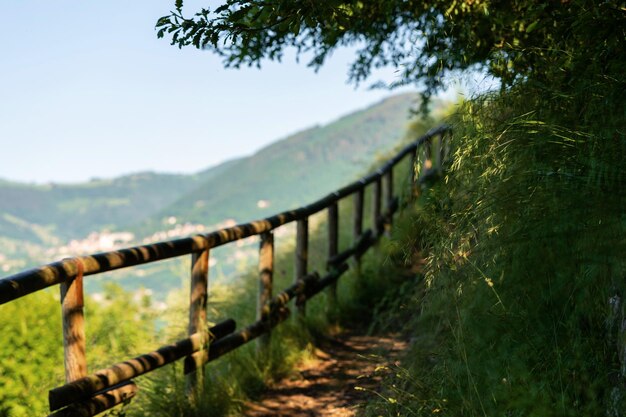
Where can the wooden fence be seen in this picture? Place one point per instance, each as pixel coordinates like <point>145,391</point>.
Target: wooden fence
<point>87,394</point>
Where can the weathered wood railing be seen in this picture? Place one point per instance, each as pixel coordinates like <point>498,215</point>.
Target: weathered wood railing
<point>89,394</point>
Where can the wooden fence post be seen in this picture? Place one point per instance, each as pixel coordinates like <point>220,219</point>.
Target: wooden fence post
<point>413,189</point>
<point>194,364</point>
<point>388,200</point>
<point>376,207</point>
<point>72,303</point>
<point>266,278</point>
<point>357,227</point>
<point>302,255</point>
<point>333,247</point>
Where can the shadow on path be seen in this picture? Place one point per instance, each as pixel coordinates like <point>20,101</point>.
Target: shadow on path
<point>325,386</point>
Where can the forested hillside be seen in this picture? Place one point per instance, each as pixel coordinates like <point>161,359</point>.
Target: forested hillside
<point>71,211</point>
<point>39,222</point>
<point>298,169</point>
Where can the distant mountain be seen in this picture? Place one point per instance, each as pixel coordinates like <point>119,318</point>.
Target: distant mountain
<point>48,213</point>
<point>295,170</point>
<point>67,211</point>
<point>288,173</point>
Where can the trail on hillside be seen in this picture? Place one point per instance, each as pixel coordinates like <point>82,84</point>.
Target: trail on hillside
<point>336,383</point>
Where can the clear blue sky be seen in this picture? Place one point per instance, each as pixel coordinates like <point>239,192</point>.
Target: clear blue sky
<point>87,90</point>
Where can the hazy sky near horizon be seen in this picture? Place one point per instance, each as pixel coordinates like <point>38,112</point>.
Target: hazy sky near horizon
<point>87,90</point>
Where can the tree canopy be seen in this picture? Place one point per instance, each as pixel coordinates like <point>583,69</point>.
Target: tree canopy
<point>541,40</point>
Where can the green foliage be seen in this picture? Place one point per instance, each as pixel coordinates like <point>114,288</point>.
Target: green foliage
<point>521,312</point>
<point>515,40</point>
<point>31,353</point>
<point>118,327</point>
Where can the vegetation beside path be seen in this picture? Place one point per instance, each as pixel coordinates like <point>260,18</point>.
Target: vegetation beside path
<point>522,309</point>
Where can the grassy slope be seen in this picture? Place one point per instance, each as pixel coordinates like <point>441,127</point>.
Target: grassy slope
<point>521,309</point>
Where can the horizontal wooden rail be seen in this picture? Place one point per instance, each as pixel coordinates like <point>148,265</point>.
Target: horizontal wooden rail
<point>99,403</point>
<point>277,310</point>
<point>223,340</point>
<point>294,290</point>
<point>82,389</point>
<point>32,280</point>
<point>233,341</point>
<point>341,257</point>
<point>327,280</point>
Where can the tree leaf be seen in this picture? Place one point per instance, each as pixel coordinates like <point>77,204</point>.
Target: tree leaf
<point>532,26</point>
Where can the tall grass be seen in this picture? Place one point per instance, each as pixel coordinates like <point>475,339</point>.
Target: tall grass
<point>521,309</point>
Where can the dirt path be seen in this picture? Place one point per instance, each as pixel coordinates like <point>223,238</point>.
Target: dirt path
<point>326,385</point>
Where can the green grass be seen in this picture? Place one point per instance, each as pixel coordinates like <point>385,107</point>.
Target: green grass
<point>520,311</point>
